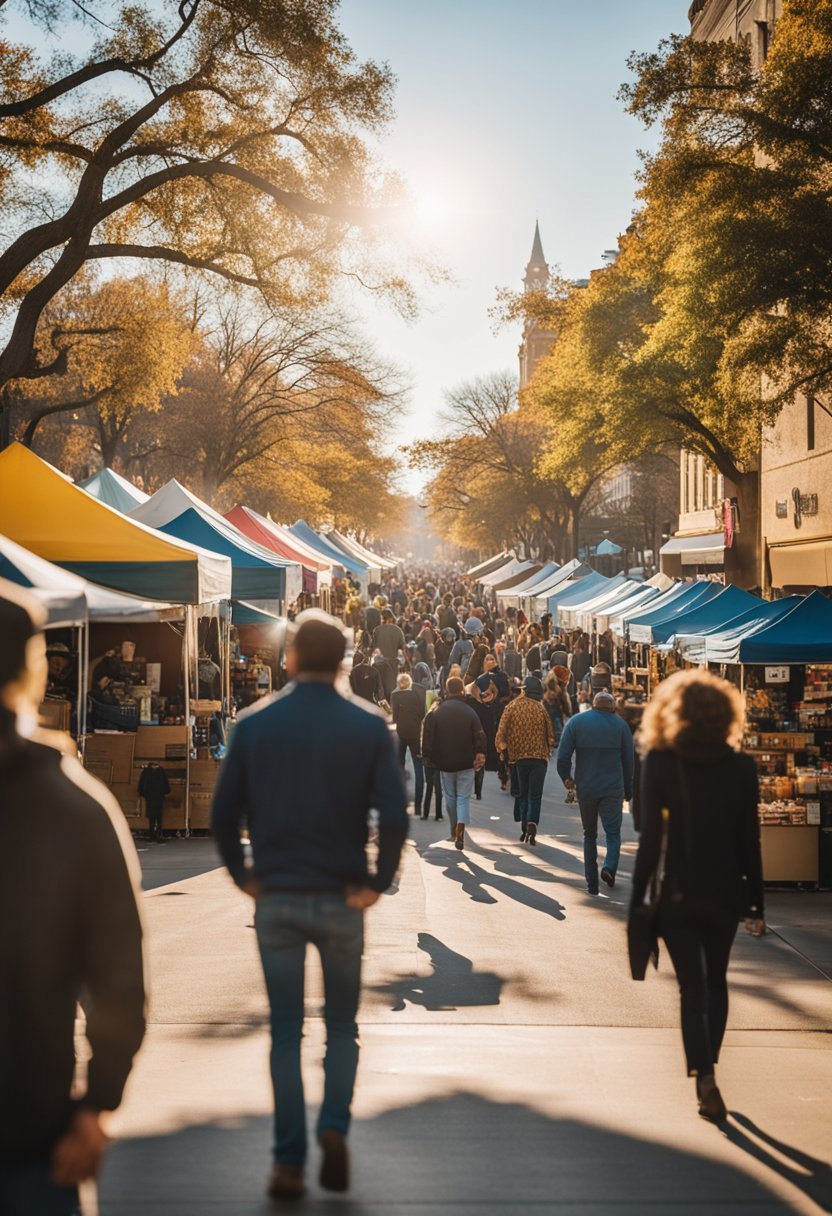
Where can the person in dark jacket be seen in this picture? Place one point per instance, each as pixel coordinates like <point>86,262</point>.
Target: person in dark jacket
<point>483,707</point>
<point>70,931</point>
<point>701,796</point>
<point>154,787</point>
<point>365,679</point>
<point>303,771</point>
<point>604,762</point>
<point>409,706</point>
<point>454,742</point>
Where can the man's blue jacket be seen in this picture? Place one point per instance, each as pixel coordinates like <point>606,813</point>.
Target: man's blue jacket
<point>604,759</point>
<point>302,773</point>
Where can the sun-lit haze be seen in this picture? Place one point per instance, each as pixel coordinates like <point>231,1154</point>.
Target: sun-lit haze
<point>506,113</point>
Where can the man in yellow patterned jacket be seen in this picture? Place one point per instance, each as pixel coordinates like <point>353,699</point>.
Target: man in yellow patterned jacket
<point>526,734</point>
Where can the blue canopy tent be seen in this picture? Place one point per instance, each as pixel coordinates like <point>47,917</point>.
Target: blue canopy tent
<point>256,572</point>
<point>594,596</point>
<point>722,644</point>
<point>576,593</point>
<point>107,486</point>
<point>329,552</point>
<point>643,628</point>
<point>712,614</point>
<point>803,635</point>
<point>608,548</point>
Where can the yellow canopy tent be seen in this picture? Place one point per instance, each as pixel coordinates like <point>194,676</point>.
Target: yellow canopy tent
<point>45,512</point>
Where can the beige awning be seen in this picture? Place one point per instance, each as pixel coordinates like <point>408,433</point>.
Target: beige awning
<point>801,565</point>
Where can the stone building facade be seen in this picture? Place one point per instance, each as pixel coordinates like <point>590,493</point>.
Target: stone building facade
<point>795,459</point>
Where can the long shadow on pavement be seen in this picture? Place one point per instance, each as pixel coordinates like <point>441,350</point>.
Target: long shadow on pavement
<point>475,882</point>
<point>810,1175</point>
<point>457,1153</point>
<point>453,984</point>
<point>176,860</point>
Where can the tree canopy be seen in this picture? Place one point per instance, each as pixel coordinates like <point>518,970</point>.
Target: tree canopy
<point>225,136</point>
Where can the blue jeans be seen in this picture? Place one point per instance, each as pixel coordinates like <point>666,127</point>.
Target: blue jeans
<point>458,788</point>
<point>611,811</point>
<point>418,768</point>
<point>285,921</point>
<point>26,1190</point>
<point>530,777</point>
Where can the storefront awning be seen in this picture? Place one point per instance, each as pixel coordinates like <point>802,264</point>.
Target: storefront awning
<point>808,564</point>
<point>706,550</point>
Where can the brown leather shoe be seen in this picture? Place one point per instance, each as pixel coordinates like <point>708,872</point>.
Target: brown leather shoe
<point>286,1182</point>
<point>459,836</point>
<point>335,1166</point>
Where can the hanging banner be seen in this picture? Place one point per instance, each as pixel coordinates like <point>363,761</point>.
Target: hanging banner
<point>728,523</point>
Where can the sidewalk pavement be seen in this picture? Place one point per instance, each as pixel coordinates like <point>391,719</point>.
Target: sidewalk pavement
<point>508,1064</point>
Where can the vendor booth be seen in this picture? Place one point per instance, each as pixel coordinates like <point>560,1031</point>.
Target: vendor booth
<point>107,486</point>
<point>787,678</point>
<point>43,511</point>
<point>567,576</point>
<point>315,573</point>
<point>257,573</point>
<point>492,563</point>
<point>350,566</point>
<point>378,566</point>
<point>513,597</point>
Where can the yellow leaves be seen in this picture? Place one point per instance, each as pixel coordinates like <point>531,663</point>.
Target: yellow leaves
<point>127,341</point>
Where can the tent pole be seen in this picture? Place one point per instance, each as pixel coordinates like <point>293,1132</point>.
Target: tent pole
<point>85,683</point>
<point>186,685</point>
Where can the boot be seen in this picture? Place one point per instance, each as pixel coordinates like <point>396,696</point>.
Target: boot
<point>459,836</point>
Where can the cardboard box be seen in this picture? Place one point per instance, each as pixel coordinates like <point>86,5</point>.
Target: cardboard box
<point>127,796</point>
<point>203,774</point>
<point>152,742</point>
<point>115,751</point>
<point>201,811</point>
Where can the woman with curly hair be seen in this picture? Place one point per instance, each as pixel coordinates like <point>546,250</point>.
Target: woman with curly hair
<point>699,824</point>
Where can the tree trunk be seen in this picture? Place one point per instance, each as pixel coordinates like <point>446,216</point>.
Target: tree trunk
<point>742,560</point>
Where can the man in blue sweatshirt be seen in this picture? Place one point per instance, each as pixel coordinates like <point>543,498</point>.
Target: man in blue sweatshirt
<point>304,769</point>
<point>602,744</point>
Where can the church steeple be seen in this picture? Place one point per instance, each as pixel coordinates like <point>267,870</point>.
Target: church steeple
<point>537,271</point>
<point>537,341</point>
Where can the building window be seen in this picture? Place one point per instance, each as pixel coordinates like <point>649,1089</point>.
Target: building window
<point>763,39</point>
<point>810,423</point>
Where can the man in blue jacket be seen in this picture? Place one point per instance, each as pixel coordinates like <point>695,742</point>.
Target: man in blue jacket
<point>304,769</point>
<point>604,760</point>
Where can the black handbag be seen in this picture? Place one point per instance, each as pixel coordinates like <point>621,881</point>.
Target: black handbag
<point>643,921</point>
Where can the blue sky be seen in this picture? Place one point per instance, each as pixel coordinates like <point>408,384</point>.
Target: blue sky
<point>506,112</point>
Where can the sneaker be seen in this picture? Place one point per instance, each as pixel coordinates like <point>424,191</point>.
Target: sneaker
<point>608,877</point>
<point>439,818</point>
<point>335,1166</point>
<point>531,833</point>
<point>286,1182</point>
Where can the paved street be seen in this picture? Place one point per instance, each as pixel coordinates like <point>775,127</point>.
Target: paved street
<point>509,1064</point>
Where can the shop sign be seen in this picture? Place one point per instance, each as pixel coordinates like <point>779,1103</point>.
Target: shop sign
<point>777,675</point>
<point>804,504</point>
<point>812,813</point>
